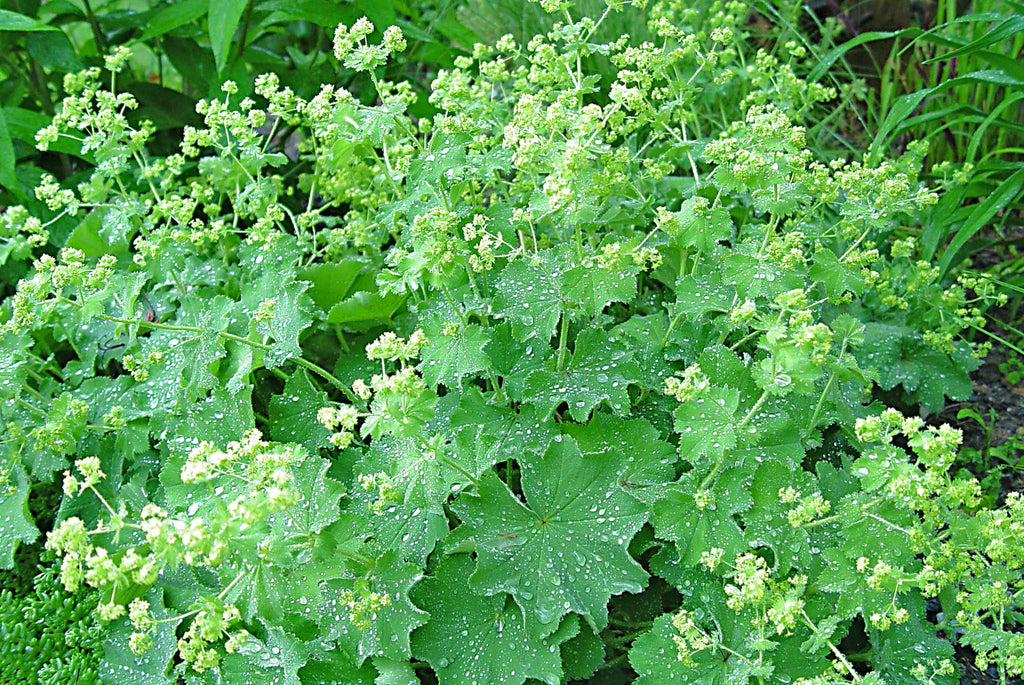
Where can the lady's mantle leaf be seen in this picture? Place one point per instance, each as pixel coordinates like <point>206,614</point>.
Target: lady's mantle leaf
<point>901,357</point>
<point>644,335</point>
<point>421,474</point>
<point>706,425</point>
<point>899,649</point>
<point>599,370</point>
<point>592,288</point>
<point>121,667</point>
<point>274,661</point>
<point>514,361</point>
<point>529,294</point>
<point>565,550</point>
<point>583,654</point>
<point>293,414</point>
<point>696,297</point>
<point>647,462</point>
<point>394,672</point>
<point>655,655</point>
<point>388,634</point>
<point>449,358</point>
<point>333,666</point>
<point>318,506</point>
<point>532,293</point>
<point>654,658</point>
<point>492,433</point>
<point>15,524</point>
<point>479,639</point>
<point>766,523</point>
<point>291,315</point>
<point>696,529</point>
<point>187,357</point>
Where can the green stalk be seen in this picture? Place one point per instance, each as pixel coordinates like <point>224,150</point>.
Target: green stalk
<point>561,342</point>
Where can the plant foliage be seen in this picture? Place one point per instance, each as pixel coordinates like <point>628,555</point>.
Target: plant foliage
<point>567,372</point>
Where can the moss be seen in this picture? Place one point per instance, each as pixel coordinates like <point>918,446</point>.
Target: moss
<point>50,637</point>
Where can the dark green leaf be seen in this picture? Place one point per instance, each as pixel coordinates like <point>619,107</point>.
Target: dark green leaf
<point>331,282</point>
<point>447,359</point>
<point>121,667</point>
<point>224,17</point>
<point>388,634</point>
<point>529,295</point>
<point>365,309</point>
<point>7,159</point>
<point>899,649</point>
<point>172,16</point>
<point>593,288</point>
<point>12,21</point>
<point>583,654</point>
<point>53,50</point>
<point>274,660</point>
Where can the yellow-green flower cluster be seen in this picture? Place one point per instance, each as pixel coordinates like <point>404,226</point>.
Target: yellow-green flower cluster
<point>363,605</point>
<point>341,421</point>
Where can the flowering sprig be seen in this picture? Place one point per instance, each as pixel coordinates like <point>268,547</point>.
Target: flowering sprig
<point>402,403</point>
<point>341,421</point>
<point>256,481</point>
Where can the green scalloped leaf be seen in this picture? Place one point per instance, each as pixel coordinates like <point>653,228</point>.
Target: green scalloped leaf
<point>583,654</point>
<point>514,361</point>
<point>293,413</point>
<point>901,357</point>
<point>600,370</point>
<point>593,288</point>
<point>188,358</point>
<point>388,634</point>
<point>766,522</point>
<point>274,661</point>
<point>644,335</point>
<point>393,672</point>
<point>473,638</point>
<point>334,666</point>
<point>707,425</point>
<point>15,522</point>
<point>654,657</point>
<point>121,667</point>
<point>647,461</point>
<point>695,297</point>
<point>291,314</point>
<point>487,434</point>
<point>320,495</point>
<point>450,358</point>
<point>896,651</point>
<point>565,549</point>
<point>529,295</point>
<point>677,517</point>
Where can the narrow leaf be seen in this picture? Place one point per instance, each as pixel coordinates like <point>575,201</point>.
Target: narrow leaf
<point>223,20</point>
<point>12,21</point>
<point>7,178</point>
<point>171,17</point>
<point>1007,191</point>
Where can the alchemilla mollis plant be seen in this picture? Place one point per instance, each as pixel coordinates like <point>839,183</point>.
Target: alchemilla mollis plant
<point>573,373</point>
